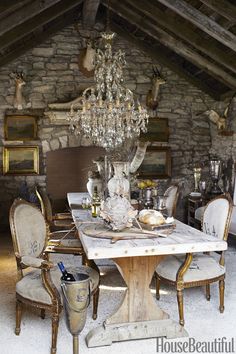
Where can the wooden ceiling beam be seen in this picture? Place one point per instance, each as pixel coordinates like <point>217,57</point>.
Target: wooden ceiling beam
<point>186,33</point>
<point>162,57</point>
<point>90,9</point>
<point>5,10</point>
<point>25,12</point>
<point>36,22</point>
<point>202,21</point>
<point>174,44</point>
<point>223,8</point>
<point>29,43</point>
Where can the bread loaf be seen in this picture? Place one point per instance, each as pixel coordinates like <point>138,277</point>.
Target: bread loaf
<point>151,217</point>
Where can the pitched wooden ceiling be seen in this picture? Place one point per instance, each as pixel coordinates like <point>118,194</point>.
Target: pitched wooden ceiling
<point>194,38</point>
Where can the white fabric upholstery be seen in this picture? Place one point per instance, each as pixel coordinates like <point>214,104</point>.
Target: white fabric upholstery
<point>215,217</point>
<point>199,213</point>
<point>232,229</point>
<point>31,286</point>
<point>30,230</point>
<point>171,194</point>
<point>202,267</point>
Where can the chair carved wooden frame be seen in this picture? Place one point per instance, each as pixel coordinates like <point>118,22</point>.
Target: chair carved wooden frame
<point>57,221</point>
<point>30,254</point>
<point>180,283</point>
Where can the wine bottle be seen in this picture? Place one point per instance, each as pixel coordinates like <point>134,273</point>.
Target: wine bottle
<point>65,275</point>
<point>96,202</point>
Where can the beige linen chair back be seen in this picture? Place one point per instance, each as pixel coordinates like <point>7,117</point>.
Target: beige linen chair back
<point>216,217</point>
<point>45,204</point>
<point>171,194</point>
<point>28,228</point>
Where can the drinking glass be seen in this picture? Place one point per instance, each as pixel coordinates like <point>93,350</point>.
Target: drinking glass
<point>86,203</point>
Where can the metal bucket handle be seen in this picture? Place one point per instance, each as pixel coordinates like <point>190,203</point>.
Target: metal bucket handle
<point>63,287</point>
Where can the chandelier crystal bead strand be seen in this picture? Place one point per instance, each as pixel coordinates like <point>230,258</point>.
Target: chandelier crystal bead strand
<point>109,113</point>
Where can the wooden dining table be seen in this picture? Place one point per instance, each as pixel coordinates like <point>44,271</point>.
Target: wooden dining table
<point>139,315</point>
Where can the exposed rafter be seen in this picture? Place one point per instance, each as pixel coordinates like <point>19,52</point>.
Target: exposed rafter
<point>90,8</point>
<point>222,7</point>
<point>30,9</point>
<point>173,43</point>
<point>202,21</point>
<point>7,8</point>
<point>36,22</point>
<point>22,46</point>
<point>162,57</point>
<point>186,33</point>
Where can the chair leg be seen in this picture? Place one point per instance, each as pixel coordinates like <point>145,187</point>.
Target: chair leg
<point>222,294</point>
<point>180,300</point>
<point>18,317</point>
<point>42,314</point>
<point>208,292</point>
<point>95,303</point>
<point>158,283</point>
<point>55,324</point>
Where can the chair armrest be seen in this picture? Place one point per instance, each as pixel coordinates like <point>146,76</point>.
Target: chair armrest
<point>62,216</point>
<point>29,261</point>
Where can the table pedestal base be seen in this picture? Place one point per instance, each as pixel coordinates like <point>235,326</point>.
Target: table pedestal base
<point>106,334</point>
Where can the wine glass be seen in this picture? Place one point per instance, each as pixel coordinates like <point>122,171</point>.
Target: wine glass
<point>86,203</point>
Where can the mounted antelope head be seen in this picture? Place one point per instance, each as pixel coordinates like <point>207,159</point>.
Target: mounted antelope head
<point>19,101</point>
<point>88,61</point>
<point>152,96</point>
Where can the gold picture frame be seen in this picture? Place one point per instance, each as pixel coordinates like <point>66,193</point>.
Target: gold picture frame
<point>21,160</point>
<point>20,127</point>
<point>156,163</point>
<point>157,130</point>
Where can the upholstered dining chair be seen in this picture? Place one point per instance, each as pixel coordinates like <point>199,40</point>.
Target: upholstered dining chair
<point>185,271</point>
<point>39,286</point>
<point>56,221</point>
<point>62,240</point>
<point>171,197</point>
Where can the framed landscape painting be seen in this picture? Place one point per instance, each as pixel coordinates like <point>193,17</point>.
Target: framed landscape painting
<point>21,160</point>
<point>20,127</point>
<point>157,130</point>
<point>156,163</point>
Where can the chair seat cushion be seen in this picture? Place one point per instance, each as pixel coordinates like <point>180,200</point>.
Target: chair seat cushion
<point>202,267</point>
<point>31,286</point>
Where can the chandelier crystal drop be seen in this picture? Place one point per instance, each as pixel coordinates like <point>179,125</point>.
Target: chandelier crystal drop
<point>109,113</point>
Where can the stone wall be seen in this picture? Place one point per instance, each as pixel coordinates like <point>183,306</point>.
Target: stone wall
<point>52,75</point>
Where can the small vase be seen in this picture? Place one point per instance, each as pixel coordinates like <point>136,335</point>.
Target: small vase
<point>118,184</point>
<point>94,182</point>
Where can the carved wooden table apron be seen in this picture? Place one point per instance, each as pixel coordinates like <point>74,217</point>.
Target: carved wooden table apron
<point>139,315</point>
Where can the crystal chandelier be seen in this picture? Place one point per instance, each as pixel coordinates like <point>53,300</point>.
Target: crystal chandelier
<point>109,113</point>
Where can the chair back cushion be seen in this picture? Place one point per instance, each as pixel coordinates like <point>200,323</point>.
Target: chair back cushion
<point>45,204</point>
<point>216,217</point>
<point>28,228</point>
<point>171,195</point>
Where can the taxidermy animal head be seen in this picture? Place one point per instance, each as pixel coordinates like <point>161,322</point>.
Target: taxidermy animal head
<point>88,61</point>
<point>152,96</point>
<point>19,101</point>
<point>216,119</point>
